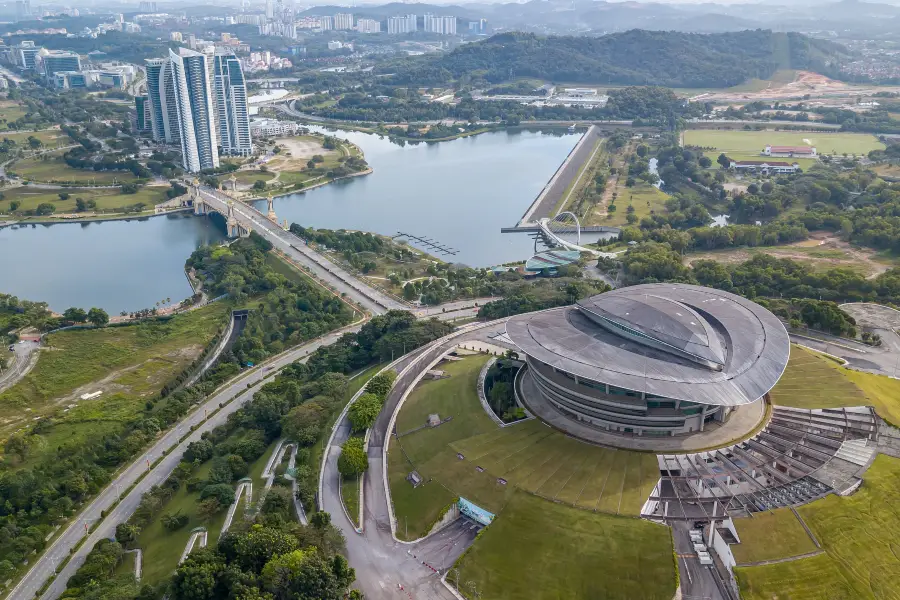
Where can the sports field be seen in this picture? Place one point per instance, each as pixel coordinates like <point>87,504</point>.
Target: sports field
<point>529,456</point>
<point>754,141</point>
<point>543,551</point>
<point>858,534</point>
<point>812,380</point>
<point>771,536</point>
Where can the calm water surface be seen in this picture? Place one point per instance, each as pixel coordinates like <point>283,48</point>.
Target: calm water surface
<point>458,193</point>
<point>114,265</point>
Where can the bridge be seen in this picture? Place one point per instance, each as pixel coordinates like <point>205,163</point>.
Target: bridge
<point>242,218</point>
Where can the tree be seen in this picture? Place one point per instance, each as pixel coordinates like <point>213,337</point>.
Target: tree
<point>63,196</point>
<point>98,317</point>
<point>14,205</point>
<point>80,205</point>
<point>75,315</point>
<point>174,521</point>
<point>129,188</point>
<point>200,451</point>
<point>381,384</point>
<point>301,575</point>
<point>209,508</point>
<point>302,423</point>
<point>724,161</point>
<point>353,460</point>
<point>409,292</point>
<point>222,492</point>
<point>259,185</point>
<point>198,576</point>
<point>364,411</point>
<point>252,549</point>
<point>44,208</point>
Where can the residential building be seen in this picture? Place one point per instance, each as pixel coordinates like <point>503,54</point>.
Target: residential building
<point>326,23</point>
<point>343,21</point>
<point>23,10</point>
<point>790,151</point>
<point>270,9</point>
<point>335,45</point>
<point>233,114</point>
<point>57,60</point>
<point>274,127</point>
<point>477,27</point>
<point>196,111</point>
<point>147,7</point>
<point>163,109</point>
<point>441,25</point>
<point>402,24</point>
<point>175,36</point>
<point>142,108</point>
<point>368,26</point>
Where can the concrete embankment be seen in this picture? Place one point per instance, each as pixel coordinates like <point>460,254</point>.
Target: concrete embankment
<point>567,172</point>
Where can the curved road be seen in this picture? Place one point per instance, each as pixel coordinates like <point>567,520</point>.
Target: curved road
<point>237,391</point>
<point>382,563</point>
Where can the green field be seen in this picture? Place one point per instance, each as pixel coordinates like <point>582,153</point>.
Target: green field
<point>748,145</point>
<point>107,199</point>
<point>858,534</point>
<point>770,536</point>
<point>10,110</point>
<point>50,138</point>
<point>645,198</point>
<point>248,177</point>
<point>812,380</point>
<point>813,578</point>
<point>129,364</point>
<point>350,494</point>
<point>51,168</point>
<point>544,551</point>
<point>529,456</point>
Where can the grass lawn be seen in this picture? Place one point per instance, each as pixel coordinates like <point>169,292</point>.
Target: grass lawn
<point>51,138</point>
<point>53,169</point>
<point>754,142</point>
<point>645,199</point>
<point>858,534</point>
<point>543,551</point>
<point>813,578</point>
<point>10,110</point>
<point>249,177</point>
<point>811,380</point>
<point>162,548</point>
<point>350,494</point>
<point>129,364</point>
<point>108,200</point>
<point>529,456</point>
<point>770,536</point>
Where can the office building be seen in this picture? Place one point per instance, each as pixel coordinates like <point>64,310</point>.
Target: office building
<point>25,55</point>
<point>196,111</point>
<point>343,21</point>
<point>368,26</point>
<point>404,24</point>
<point>66,80</point>
<point>142,108</point>
<point>232,111</point>
<point>113,79</point>
<point>57,60</point>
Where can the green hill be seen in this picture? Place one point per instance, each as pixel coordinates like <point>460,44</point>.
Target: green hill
<point>635,57</point>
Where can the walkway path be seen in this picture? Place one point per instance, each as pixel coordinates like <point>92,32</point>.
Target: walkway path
<point>245,487</point>
<point>21,360</point>
<point>199,535</point>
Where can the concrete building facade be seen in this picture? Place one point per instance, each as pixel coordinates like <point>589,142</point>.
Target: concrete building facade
<point>196,111</point>
<point>233,113</point>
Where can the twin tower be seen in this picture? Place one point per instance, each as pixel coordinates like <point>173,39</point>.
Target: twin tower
<point>199,100</point>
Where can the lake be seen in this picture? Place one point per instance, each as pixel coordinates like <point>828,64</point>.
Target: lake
<point>459,193</point>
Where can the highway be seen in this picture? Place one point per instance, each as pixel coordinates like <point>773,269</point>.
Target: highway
<point>168,443</point>
<point>371,299</point>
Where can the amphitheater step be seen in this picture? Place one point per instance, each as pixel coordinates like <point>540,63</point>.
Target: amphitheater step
<point>858,452</point>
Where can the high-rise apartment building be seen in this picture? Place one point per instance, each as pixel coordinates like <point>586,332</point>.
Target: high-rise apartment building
<point>142,107</point>
<point>23,10</point>
<point>404,24</point>
<point>441,25</point>
<point>163,107</point>
<point>196,111</point>
<point>57,60</point>
<point>232,111</point>
<point>326,23</point>
<point>368,26</point>
<point>343,21</point>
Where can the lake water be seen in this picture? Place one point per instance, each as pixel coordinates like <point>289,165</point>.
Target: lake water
<point>459,193</point>
<point>114,265</point>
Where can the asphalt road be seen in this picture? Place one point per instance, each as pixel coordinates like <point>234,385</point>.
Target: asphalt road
<point>370,298</point>
<point>19,363</point>
<point>60,547</point>
<point>697,581</point>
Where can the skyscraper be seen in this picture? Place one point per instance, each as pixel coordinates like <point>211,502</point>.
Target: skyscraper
<point>196,112</point>
<point>343,21</point>
<point>143,110</point>
<point>233,115</point>
<point>163,108</point>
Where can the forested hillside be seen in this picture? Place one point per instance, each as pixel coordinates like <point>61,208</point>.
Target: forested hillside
<point>635,57</point>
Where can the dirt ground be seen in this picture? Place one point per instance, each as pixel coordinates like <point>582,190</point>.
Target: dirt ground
<point>823,250</point>
<point>297,151</point>
<point>805,82</point>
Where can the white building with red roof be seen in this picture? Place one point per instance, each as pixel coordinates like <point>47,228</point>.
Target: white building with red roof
<point>790,151</point>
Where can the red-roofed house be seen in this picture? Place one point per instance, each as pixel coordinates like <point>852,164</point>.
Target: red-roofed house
<point>790,151</point>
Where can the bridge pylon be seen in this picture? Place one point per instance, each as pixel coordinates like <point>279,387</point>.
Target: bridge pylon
<point>270,205</point>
